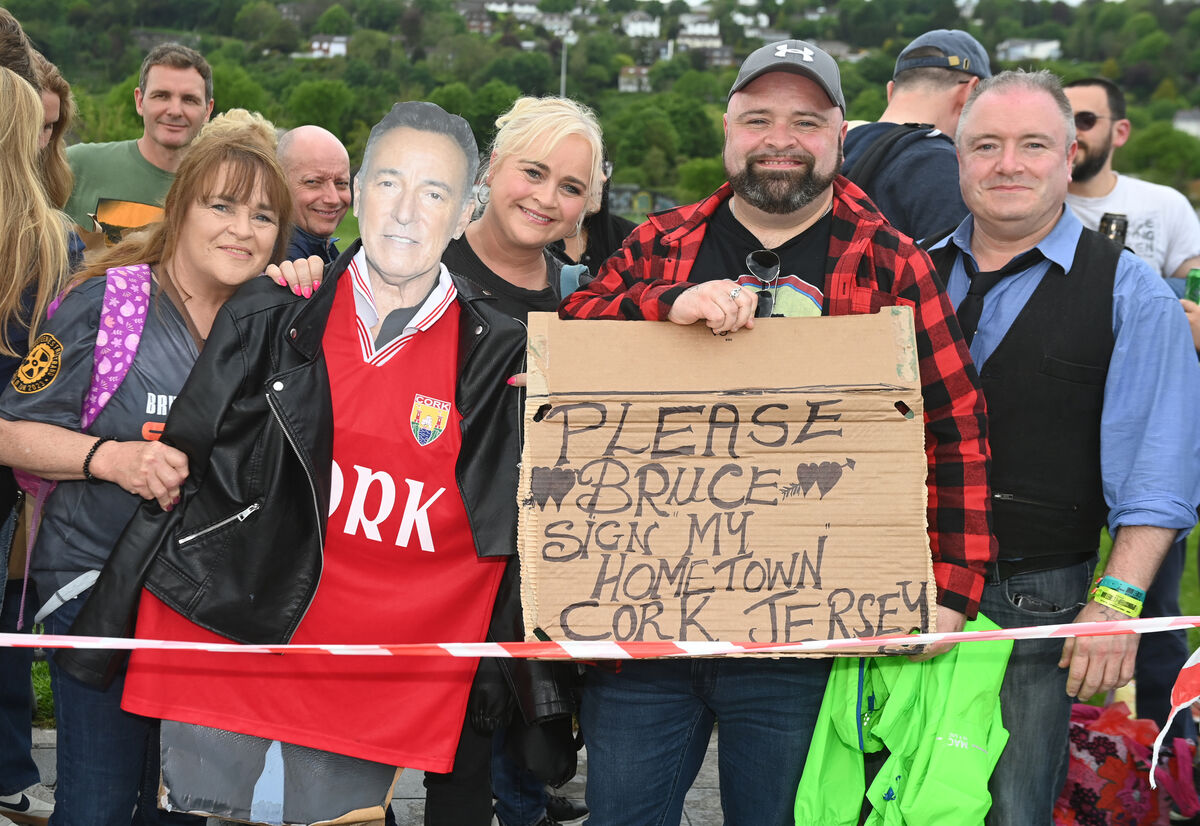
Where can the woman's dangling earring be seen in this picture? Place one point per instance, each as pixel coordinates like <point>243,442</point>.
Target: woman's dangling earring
<point>578,228</point>
<point>483,194</point>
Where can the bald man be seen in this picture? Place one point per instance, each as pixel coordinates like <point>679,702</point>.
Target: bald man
<point>318,170</point>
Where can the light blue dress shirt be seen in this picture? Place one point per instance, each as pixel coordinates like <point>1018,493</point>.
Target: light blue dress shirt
<point>1150,426</point>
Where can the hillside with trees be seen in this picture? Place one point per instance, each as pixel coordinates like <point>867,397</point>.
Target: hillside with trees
<point>476,62</point>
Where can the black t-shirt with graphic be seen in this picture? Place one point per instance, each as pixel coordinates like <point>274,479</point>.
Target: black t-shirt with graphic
<point>799,291</point>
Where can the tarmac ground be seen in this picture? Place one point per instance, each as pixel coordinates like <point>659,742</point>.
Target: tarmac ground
<point>701,808</point>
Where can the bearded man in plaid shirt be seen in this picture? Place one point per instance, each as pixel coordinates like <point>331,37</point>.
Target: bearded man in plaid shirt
<point>815,245</point>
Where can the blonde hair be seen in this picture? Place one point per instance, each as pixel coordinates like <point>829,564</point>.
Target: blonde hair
<point>243,143</point>
<point>33,234</point>
<point>56,173</point>
<point>542,124</point>
<point>234,120</point>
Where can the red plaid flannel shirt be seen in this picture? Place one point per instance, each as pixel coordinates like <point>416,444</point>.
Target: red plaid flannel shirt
<point>870,265</point>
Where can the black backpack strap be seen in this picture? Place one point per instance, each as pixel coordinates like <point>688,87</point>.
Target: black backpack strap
<point>864,169</point>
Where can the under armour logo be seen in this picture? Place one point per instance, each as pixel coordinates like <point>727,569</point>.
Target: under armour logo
<point>806,54</point>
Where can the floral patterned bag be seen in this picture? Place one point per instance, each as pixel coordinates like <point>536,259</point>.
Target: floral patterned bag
<point>1108,780</point>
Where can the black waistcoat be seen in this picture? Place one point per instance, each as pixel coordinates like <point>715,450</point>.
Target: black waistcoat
<point>1044,387</point>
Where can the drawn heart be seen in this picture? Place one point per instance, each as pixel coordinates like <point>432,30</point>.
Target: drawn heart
<point>549,483</point>
<point>806,475</point>
<point>828,475</point>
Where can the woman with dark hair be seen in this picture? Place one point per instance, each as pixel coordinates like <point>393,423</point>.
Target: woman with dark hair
<point>600,234</point>
<point>122,341</point>
<point>59,106</point>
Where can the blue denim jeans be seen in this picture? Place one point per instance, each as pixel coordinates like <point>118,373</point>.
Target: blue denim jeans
<point>17,769</point>
<point>107,758</point>
<point>647,728</point>
<point>1033,698</point>
<point>520,797</point>
<point>1161,656</point>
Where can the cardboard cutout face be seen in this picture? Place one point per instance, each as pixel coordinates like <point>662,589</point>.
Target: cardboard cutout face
<point>410,204</point>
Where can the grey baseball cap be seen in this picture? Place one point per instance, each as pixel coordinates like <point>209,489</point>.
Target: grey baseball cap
<point>797,57</point>
<point>960,52</point>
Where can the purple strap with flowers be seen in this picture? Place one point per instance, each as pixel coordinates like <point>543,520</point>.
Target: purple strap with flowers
<point>122,319</point>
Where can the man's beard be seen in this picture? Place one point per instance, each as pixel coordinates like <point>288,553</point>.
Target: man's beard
<point>1093,161</point>
<point>783,192</point>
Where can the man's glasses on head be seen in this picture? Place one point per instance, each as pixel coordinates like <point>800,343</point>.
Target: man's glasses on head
<point>764,265</point>
<point>1085,120</point>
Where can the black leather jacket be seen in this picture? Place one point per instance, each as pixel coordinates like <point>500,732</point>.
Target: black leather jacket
<point>241,555</point>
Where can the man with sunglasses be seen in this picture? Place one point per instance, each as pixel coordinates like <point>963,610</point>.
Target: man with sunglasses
<point>906,160</point>
<point>1163,230</point>
<point>1092,386</point>
<point>787,229</point>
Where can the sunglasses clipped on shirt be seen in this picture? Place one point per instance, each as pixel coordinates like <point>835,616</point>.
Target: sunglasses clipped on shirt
<point>1085,120</point>
<point>764,265</point>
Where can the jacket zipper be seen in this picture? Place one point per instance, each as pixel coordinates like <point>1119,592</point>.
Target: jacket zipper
<point>1021,500</point>
<point>312,485</point>
<point>240,516</point>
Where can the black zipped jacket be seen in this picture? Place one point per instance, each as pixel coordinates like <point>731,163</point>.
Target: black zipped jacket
<point>241,555</point>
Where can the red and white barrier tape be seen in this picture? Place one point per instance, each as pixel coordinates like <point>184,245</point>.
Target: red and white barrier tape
<point>607,650</point>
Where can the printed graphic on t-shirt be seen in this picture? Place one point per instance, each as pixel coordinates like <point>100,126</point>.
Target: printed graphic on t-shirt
<point>40,367</point>
<point>1141,236</point>
<point>793,296</point>
<point>116,218</point>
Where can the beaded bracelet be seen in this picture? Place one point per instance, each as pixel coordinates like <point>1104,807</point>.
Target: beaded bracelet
<point>1117,601</point>
<point>1123,587</point>
<point>87,462</point>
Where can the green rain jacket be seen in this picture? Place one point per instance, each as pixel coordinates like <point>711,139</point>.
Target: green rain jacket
<point>940,719</point>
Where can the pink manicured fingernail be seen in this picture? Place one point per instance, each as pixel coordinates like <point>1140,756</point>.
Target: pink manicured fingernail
<point>511,380</point>
<point>175,501</point>
<point>281,282</point>
<point>295,290</point>
<point>307,292</point>
<point>315,285</point>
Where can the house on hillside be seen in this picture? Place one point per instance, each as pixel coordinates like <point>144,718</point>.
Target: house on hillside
<point>557,24</point>
<point>1188,120</point>
<point>634,79</point>
<point>478,19</point>
<point>325,46</point>
<point>767,35</point>
<point>525,12</point>
<point>697,35</point>
<point>756,20</point>
<point>641,24</point>
<point>1022,49</point>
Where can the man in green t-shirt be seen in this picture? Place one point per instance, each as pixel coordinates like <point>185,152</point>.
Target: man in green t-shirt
<point>121,185</point>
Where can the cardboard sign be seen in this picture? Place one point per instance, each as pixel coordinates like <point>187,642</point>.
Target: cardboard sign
<point>764,486</point>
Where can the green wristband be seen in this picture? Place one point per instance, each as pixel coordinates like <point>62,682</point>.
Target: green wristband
<point>1117,601</point>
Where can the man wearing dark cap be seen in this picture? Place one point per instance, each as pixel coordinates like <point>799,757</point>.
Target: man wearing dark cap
<point>906,160</point>
<point>648,724</point>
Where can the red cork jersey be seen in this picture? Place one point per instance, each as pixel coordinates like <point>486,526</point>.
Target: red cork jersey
<point>399,566</point>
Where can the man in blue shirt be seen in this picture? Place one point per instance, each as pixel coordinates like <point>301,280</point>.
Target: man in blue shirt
<point>318,171</point>
<point>906,161</point>
<point>1091,380</point>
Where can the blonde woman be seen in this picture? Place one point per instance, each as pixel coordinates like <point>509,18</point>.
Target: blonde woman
<point>542,177</point>
<point>33,263</point>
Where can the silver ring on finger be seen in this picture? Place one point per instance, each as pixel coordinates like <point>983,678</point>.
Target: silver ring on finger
<point>735,292</point>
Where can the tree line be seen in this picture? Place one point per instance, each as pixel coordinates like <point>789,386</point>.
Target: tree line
<point>669,138</point>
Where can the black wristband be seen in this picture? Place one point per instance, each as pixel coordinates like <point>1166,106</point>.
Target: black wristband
<point>87,462</point>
